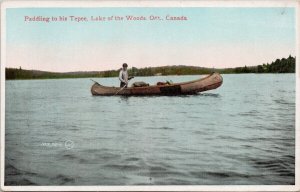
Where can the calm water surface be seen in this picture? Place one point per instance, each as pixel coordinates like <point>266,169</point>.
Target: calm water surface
<point>57,133</point>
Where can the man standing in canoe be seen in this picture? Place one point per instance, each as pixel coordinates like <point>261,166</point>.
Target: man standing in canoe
<point>123,76</point>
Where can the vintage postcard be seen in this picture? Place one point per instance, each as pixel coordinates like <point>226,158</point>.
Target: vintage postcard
<point>149,95</point>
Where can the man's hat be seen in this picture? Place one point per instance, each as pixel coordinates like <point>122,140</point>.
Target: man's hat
<point>125,65</point>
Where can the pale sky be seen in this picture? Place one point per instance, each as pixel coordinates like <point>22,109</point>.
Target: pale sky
<point>211,37</point>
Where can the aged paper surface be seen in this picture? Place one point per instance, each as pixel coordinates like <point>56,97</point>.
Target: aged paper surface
<point>149,96</point>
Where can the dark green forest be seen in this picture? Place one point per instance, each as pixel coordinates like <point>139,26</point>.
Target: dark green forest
<point>284,65</point>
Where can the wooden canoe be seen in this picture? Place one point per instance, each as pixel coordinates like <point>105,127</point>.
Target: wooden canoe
<point>209,82</point>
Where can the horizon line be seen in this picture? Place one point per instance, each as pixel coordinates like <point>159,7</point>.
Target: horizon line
<point>131,68</point>
<point>290,55</point>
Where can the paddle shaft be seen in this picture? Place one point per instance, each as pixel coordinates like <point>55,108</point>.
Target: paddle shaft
<point>122,87</point>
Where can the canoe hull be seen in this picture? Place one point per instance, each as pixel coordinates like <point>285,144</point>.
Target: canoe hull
<point>210,82</point>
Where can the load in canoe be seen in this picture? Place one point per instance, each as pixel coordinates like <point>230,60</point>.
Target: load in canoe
<point>209,82</point>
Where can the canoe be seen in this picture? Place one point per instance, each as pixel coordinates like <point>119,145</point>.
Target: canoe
<point>209,82</point>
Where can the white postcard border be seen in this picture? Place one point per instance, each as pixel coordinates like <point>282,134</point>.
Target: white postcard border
<point>141,3</point>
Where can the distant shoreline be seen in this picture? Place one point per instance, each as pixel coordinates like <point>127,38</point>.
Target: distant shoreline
<point>284,65</point>
<point>56,78</point>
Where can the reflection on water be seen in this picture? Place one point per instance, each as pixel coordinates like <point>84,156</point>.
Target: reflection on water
<point>57,133</point>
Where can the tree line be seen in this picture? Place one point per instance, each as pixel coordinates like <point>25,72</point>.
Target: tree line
<point>284,65</point>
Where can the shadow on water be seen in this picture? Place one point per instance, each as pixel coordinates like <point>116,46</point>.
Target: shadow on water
<point>126,97</point>
<point>210,95</point>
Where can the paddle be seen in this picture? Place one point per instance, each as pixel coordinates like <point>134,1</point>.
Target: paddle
<point>123,86</point>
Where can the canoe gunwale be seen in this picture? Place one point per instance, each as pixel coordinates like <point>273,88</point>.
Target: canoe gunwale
<point>159,86</point>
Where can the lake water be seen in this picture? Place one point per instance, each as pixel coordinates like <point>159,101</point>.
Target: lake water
<point>57,133</point>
